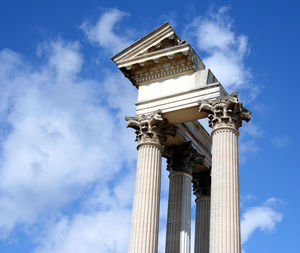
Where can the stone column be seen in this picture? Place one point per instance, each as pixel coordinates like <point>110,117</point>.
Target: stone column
<point>151,131</point>
<point>181,162</point>
<point>201,185</point>
<point>225,117</point>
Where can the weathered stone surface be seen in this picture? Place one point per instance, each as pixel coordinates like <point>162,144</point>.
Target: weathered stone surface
<point>178,238</point>
<point>178,98</point>
<point>202,225</point>
<point>151,132</point>
<point>159,55</point>
<point>182,158</point>
<point>169,75</point>
<point>145,211</point>
<point>225,117</point>
<point>225,112</point>
<point>181,161</point>
<point>201,187</point>
<point>202,184</point>
<point>152,128</point>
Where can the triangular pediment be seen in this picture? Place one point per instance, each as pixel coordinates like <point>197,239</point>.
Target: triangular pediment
<point>158,55</point>
<point>160,39</point>
<point>166,43</point>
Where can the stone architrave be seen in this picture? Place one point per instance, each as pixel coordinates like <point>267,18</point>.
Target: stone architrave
<point>201,187</point>
<point>225,117</point>
<point>181,161</point>
<point>151,131</point>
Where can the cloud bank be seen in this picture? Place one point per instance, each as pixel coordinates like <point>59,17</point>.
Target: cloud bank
<point>61,138</point>
<point>263,218</point>
<point>104,34</point>
<point>224,50</point>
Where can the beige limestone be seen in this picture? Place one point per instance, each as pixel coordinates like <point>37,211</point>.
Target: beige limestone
<point>182,106</point>
<point>181,162</point>
<point>178,238</point>
<point>195,133</point>
<point>225,117</point>
<point>151,131</point>
<point>145,211</point>
<point>202,225</point>
<point>201,187</point>
<point>225,214</point>
<point>169,76</point>
<point>174,86</point>
<point>159,55</point>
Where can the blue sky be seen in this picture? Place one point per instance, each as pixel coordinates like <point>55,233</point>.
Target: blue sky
<point>67,162</point>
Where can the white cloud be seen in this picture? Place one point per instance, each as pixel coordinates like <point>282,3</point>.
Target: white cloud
<point>121,94</point>
<point>225,52</point>
<point>252,130</point>
<point>104,33</point>
<point>248,146</point>
<point>264,218</point>
<point>105,231</point>
<point>63,143</point>
<point>225,49</point>
<point>60,138</point>
<point>248,141</point>
<point>63,57</point>
<point>280,141</point>
<point>103,224</point>
<point>162,239</point>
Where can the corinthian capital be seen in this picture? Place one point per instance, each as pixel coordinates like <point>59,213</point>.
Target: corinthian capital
<point>202,184</point>
<point>151,128</point>
<point>225,112</point>
<point>182,158</point>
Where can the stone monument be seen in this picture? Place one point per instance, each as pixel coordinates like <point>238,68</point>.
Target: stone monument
<point>175,90</point>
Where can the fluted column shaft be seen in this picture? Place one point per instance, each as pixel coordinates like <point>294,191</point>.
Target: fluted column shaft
<point>202,225</point>
<point>225,118</point>
<point>225,203</point>
<point>145,212</point>
<point>151,131</point>
<point>178,239</point>
<point>182,160</point>
<point>201,187</point>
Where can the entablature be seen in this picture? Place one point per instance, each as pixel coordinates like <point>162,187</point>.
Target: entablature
<point>157,56</point>
<point>169,75</point>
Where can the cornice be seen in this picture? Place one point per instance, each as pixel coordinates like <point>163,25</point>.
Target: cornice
<point>157,56</point>
<point>145,42</point>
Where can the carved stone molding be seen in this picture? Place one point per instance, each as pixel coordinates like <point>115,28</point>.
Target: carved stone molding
<point>202,184</point>
<point>152,128</point>
<point>182,158</point>
<point>225,112</point>
<point>157,56</point>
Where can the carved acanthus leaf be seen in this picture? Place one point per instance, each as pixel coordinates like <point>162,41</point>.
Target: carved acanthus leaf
<point>151,128</point>
<point>226,111</point>
<point>182,158</point>
<point>202,183</point>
